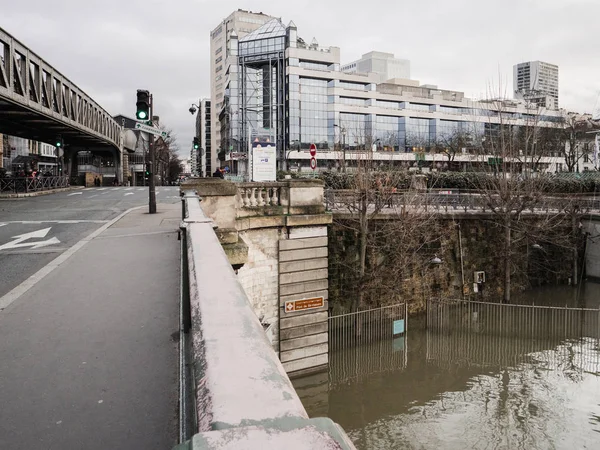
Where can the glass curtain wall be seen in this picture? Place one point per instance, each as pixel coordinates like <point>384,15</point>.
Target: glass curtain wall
<point>262,87</point>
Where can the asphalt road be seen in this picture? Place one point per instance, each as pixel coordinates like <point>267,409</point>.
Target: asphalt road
<point>35,230</point>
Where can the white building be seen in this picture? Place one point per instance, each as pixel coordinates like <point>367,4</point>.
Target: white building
<point>385,65</point>
<point>242,23</point>
<point>536,82</point>
<point>207,159</point>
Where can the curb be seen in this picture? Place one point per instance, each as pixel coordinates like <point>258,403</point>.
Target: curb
<point>38,193</point>
<point>13,295</point>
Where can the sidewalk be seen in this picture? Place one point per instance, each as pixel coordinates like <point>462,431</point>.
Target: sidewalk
<point>88,355</point>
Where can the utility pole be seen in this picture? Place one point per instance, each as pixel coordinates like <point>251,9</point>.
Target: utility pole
<point>151,181</point>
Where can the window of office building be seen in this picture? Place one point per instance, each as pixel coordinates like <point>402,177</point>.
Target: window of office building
<point>314,65</point>
<point>308,112</point>
<point>387,132</point>
<point>353,86</point>
<point>417,132</point>
<point>352,101</point>
<point>356,129</point>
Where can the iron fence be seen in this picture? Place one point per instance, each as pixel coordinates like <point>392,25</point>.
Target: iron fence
<point>367,342</point>
<point>19,185</point>
<point>518,321</point>
<point>447,200</point>
<point>352,329</point>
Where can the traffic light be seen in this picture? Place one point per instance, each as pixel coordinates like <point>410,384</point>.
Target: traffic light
<point>58,142</point>
<point>148,168</point>
<point>196,143</point>
<point>143,105</point>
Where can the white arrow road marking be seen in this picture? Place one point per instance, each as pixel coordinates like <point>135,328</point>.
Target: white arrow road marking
<point>129,193</point>
<point>74,193</point>
<point>19,240</point>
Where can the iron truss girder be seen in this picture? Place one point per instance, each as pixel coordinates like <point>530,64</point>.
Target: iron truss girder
<point>37,102</point>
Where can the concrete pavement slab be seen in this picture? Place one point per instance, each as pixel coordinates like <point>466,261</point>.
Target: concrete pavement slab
<point>89,354</point>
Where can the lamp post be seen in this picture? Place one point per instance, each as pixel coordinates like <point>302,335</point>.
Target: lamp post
<point>343,133</point>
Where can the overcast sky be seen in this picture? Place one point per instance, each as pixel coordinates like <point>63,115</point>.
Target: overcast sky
<point>110,48</point>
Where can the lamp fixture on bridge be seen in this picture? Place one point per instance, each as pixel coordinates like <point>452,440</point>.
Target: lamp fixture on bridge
<point>143,105</point>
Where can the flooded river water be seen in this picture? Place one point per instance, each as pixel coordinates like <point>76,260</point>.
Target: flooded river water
<point>472,385</point>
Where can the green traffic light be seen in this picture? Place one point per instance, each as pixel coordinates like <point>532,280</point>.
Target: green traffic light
<point>142,115</point>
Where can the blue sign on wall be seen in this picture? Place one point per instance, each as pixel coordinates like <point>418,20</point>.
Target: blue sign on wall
<point>398,327</point>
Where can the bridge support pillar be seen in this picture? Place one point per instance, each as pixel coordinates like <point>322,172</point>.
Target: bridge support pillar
<point>275,236</point>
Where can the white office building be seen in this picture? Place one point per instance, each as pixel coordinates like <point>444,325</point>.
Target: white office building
<point>536,82</point>
<point>384,65</point>
<point>240,23</point>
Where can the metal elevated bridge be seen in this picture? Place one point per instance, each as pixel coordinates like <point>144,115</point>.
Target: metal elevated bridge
<point>37,102</point>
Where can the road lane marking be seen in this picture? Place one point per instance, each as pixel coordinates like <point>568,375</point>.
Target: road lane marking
<point>129,189</point>
<point>114,189</point>
<point>92,196</point>
<point>102,189</point>
<point>129,193</point>
<point>17,292</point>
<point>3,224</point>
<point>19,241</point>
<point>142,189</point>
<point>75,193</point>
<point>39,222</point>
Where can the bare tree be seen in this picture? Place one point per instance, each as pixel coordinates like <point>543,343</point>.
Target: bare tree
<point>452,143</point>
<point>168,162</point>
<point>513,188</point>
<point>577,142</point>
<point>392,229</point>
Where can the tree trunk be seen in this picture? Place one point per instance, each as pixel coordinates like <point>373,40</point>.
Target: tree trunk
<point>507,245</point>
<point>363,234</point>
<point>575,268</point>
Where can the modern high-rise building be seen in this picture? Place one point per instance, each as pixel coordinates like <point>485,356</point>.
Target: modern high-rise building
<point>240,23</point>
<point>205,155</point>
<point>385,65</point>
<point>536,82</point>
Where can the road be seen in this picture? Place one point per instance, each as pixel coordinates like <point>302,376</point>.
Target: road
<point>58,221</point>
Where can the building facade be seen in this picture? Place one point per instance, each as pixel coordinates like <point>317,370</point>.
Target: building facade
<point>240,23</point>
<point>385,65</point>
<point>207,159</point>
<point>282,90</point>
<point>536,82</point>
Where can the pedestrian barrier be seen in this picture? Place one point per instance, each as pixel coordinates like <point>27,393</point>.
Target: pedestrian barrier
<point>32,184</point>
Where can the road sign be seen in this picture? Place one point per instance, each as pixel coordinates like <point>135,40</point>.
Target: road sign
<point>313,163</point>
<point>151,130</point>
<point>19,241</point>
<point>302,305</point>
<point>313,150</point>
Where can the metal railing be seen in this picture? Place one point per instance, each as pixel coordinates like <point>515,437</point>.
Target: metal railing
<point>22,184</point>
<point>447,200</point>
<point>516,321</point>
<point>373,325</point>
<point>367,342</point>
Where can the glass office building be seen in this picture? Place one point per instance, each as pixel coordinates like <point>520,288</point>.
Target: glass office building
<point>282,89</point>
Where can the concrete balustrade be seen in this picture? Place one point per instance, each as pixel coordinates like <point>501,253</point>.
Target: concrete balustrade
<point>243,396</point>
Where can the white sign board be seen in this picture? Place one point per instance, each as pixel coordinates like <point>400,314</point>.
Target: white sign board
<point>151,130</point>
<point>264,163</point>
